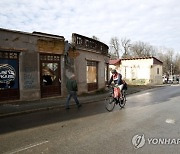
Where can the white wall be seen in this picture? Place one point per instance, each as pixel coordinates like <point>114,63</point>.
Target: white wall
<point>141,71</point>
<point>155,77</point>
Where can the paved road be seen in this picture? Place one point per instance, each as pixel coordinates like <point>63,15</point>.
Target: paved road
<point>91,129</point>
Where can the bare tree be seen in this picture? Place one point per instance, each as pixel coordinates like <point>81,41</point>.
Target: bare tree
<point>166,56</point>
<point>126,46</point>
<point>166,62</point>
<point>141,49</point>
<point>114,46</point>
<point>171,62</point>
<point>138,49</point>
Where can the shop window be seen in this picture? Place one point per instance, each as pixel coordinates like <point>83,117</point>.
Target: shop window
<point>92,78</point>
<point>9,69</point>
<point>50,73</point>
<point>9,75</point>
<point>91,74</point>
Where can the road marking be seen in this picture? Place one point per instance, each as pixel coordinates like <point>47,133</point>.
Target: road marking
<point>28,147</point>
<point>170,121</point>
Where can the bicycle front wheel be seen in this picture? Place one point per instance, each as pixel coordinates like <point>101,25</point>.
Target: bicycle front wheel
<point>109,103</point>
<point>122,102</point>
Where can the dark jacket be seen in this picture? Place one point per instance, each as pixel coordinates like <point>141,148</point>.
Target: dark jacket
<point>71,85</point>
<point>118,79</point>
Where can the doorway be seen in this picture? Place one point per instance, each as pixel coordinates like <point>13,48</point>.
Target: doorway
<point>50,75</point>
<point>92,75</point>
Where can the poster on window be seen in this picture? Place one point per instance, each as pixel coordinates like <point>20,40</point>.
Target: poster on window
<point>8,74</point>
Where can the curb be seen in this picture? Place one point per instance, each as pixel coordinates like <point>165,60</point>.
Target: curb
<point>43,109</point>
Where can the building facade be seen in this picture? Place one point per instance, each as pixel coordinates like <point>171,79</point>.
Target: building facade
<point>36,65</point>
<point>31,65</point>
<point>140,71</point>
<point>90,63</point>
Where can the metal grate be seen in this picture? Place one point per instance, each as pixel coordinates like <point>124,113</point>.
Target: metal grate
<point>46,57</point>
<point>9,55</point>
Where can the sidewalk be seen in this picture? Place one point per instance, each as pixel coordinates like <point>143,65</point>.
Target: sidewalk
<point>23,107</point>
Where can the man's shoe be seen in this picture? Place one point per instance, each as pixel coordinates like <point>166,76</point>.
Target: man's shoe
<point>79,105</point>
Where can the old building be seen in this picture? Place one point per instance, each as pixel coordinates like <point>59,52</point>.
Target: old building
<point>36,65</point>
<point>139,71</point>
<point>31,65</point>
<point>90,62</point>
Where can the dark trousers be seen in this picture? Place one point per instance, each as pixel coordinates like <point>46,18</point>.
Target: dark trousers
<point>74,95</point>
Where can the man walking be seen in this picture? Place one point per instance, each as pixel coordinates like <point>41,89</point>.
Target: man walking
<point>72,89</point>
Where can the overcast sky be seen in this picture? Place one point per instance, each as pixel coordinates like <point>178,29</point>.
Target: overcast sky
<point>156,22</point>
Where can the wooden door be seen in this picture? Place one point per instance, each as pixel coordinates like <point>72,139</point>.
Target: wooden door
<point>50,75</point>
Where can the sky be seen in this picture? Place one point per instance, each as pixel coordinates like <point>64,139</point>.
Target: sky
<point>156,22</point>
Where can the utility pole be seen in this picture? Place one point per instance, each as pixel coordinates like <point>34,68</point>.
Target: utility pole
<point>171,70</point>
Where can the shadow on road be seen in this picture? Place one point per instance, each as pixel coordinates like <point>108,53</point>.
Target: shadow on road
<point>27,121</point>
<point>37,119</point>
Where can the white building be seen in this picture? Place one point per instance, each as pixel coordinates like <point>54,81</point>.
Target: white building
<point>139,71</point>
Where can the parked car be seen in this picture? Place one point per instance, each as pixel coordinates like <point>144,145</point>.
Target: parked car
<point>173,79</point>
<point>165,79</point>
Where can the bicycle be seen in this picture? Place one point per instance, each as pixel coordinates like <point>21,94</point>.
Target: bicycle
<point>111,101</point>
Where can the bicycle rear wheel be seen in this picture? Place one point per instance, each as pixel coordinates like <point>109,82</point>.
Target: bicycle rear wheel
<point>109,103</point>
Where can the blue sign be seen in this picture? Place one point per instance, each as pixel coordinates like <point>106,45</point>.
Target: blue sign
<point>8,74</point>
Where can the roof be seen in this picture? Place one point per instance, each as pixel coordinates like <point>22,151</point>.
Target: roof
<point>136,58</point>
<point>118,61</point>
<point>47,35</point>
<point>114,61</point>
<point>34,33</point>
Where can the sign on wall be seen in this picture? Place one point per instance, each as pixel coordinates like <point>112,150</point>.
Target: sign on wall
<point>50,46</point>
<point>8,74</point>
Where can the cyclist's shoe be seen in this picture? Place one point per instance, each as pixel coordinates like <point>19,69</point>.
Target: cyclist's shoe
<point>116,100</point>
<point>120,98</point>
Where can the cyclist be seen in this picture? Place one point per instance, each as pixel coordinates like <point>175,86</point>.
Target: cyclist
<point>117,79</point>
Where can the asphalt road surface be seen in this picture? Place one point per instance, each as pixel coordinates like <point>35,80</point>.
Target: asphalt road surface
<point>149,123</point>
